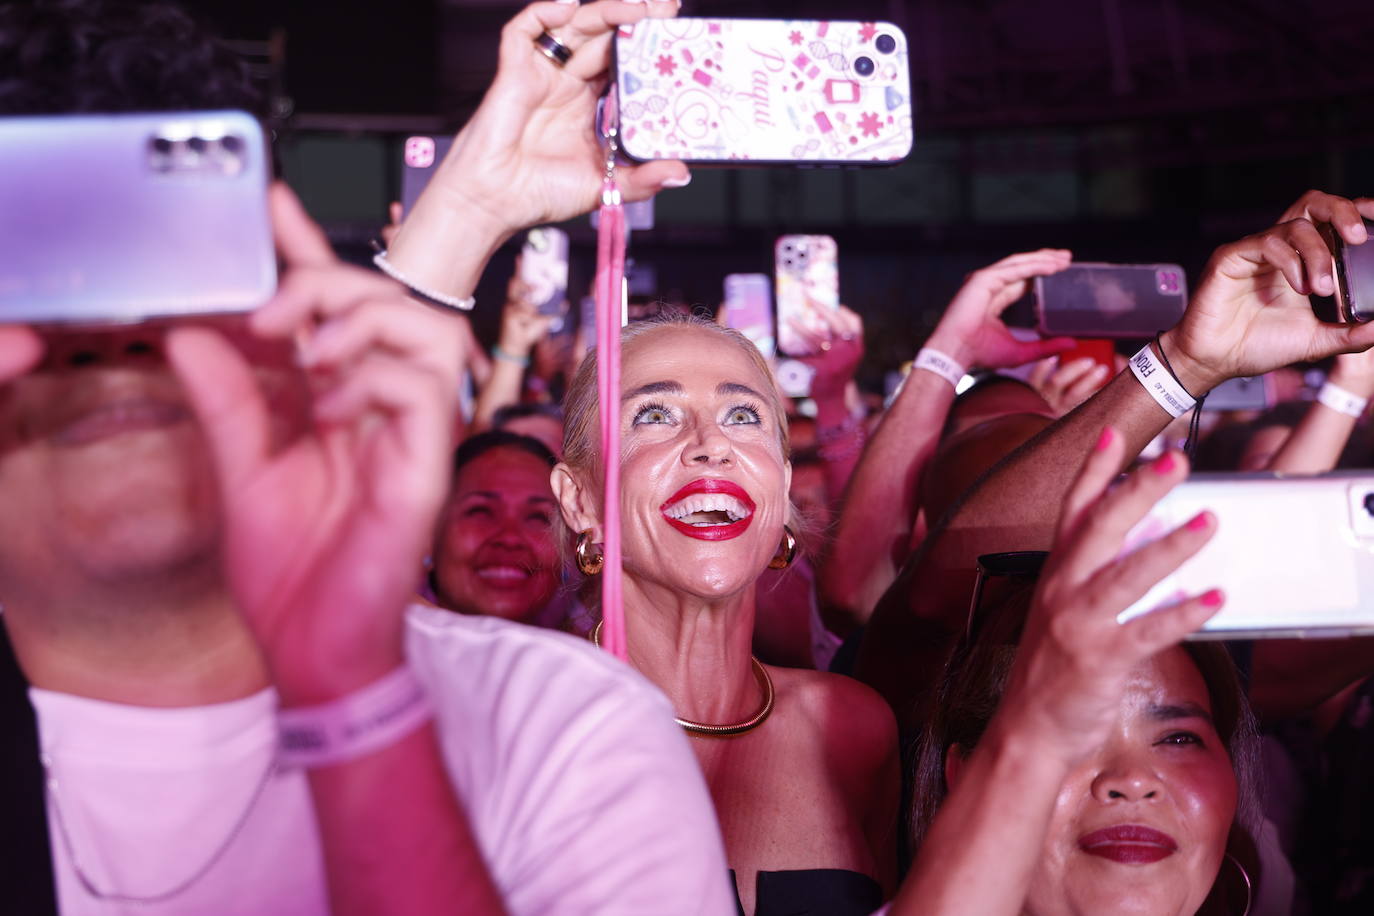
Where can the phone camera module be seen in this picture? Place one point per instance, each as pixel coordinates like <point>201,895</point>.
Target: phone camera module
<point>1369,504</point>
<point>885,44</point>
<point>864,66</point>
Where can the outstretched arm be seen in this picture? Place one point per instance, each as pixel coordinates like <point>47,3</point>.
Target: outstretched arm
<point>880,503</point>
<point>1249,315</point>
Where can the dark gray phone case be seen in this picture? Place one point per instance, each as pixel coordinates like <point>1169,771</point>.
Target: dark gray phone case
<point>1092,300</point>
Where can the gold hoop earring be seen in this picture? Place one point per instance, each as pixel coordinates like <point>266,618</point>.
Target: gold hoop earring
<point>589,563</point>
<point>787,550</point>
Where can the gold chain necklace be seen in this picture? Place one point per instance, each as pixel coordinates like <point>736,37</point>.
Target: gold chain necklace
<point>723,731</point>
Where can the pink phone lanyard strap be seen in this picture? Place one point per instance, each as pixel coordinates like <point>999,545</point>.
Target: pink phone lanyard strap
<point>610,274</point>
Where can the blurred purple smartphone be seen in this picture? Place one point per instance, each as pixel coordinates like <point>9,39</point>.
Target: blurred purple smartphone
<point>419,157</point>
<point>748,308</point>
<point>121,218</point>
<point>1111,300</point>
<point>544,269</point>
<point>808,283</point>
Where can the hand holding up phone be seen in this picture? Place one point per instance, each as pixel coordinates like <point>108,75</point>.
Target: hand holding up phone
<point>530,154</point>
<point>1075,659</point>
<point>324,532</point>
<point>1251,313</point>
<point>971,331</point>
<point>522,324</point>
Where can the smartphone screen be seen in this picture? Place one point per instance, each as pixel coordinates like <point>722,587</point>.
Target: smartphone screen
<point>742,91</point>
<point>1111,300</point>
<point>748,309</point>
<point>808,283</point>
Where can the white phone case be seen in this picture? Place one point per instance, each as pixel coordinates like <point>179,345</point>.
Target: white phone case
<point>1294,555</point>
<point>763,90</point>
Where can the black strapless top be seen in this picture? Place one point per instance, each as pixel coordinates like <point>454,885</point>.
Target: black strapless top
<point>814,892</point>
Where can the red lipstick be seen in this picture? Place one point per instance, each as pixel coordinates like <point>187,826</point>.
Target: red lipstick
<point>1129,844</point>
<point>710,485</point>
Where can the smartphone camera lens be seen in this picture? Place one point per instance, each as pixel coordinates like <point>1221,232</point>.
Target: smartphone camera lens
<point>864,66</point>
<point>196,144</point>
<point>885,44</point>
<point>231,143</point>
<point>1369,503</point>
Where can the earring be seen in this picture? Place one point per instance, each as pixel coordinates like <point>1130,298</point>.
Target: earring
<point>1249,888</point>
<point>787,550</point>
<point>590,563</point>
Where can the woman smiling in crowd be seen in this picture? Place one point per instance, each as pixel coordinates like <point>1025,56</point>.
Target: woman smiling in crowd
<point>802,766</point>
<point>1100,767</point>
<point>494,554</point>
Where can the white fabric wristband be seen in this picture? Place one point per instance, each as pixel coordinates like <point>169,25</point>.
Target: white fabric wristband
<point>429,295</point>
<point>354,726</point>
<point>1160,383</point>
<point>1342,401</point>
<point>939,363</point>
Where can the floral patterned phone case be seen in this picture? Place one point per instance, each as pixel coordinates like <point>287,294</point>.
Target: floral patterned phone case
<point>808,282</point>
<point>763,91</point>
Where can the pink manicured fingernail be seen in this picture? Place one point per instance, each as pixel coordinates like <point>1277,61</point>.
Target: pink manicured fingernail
<point>570,2</point>
<point>1214,598</point>
<point>1105,439</point>
<point>1198,522</point>
<point>1166,464</point>
<point>682,182</point>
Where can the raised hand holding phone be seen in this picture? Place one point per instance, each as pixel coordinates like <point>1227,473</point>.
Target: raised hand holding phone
<point>971,331</point>
<point>1075,657</point>
<point>325,532</point>
<point>1251,313</point>
<point>530,155</point>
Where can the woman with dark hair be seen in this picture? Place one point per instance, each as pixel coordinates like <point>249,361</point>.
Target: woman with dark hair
<point>1080,765</point>
<point>494,553</point>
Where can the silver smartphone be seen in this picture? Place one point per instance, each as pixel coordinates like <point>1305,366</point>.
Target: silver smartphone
<point>1294,555</point>
<point>1354,268</point>
<point>1110,300</point>
<point>121,218</point>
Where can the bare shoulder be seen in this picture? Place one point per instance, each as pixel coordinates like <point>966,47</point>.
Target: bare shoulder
<point>843,712</point>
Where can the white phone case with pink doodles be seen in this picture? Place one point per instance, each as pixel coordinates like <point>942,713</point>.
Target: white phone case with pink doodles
<point>763,90</point>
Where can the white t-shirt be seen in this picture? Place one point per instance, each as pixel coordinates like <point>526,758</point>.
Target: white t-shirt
<point>581,790</point>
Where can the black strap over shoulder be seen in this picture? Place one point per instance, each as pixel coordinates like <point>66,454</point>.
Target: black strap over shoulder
<point>26,878</point>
